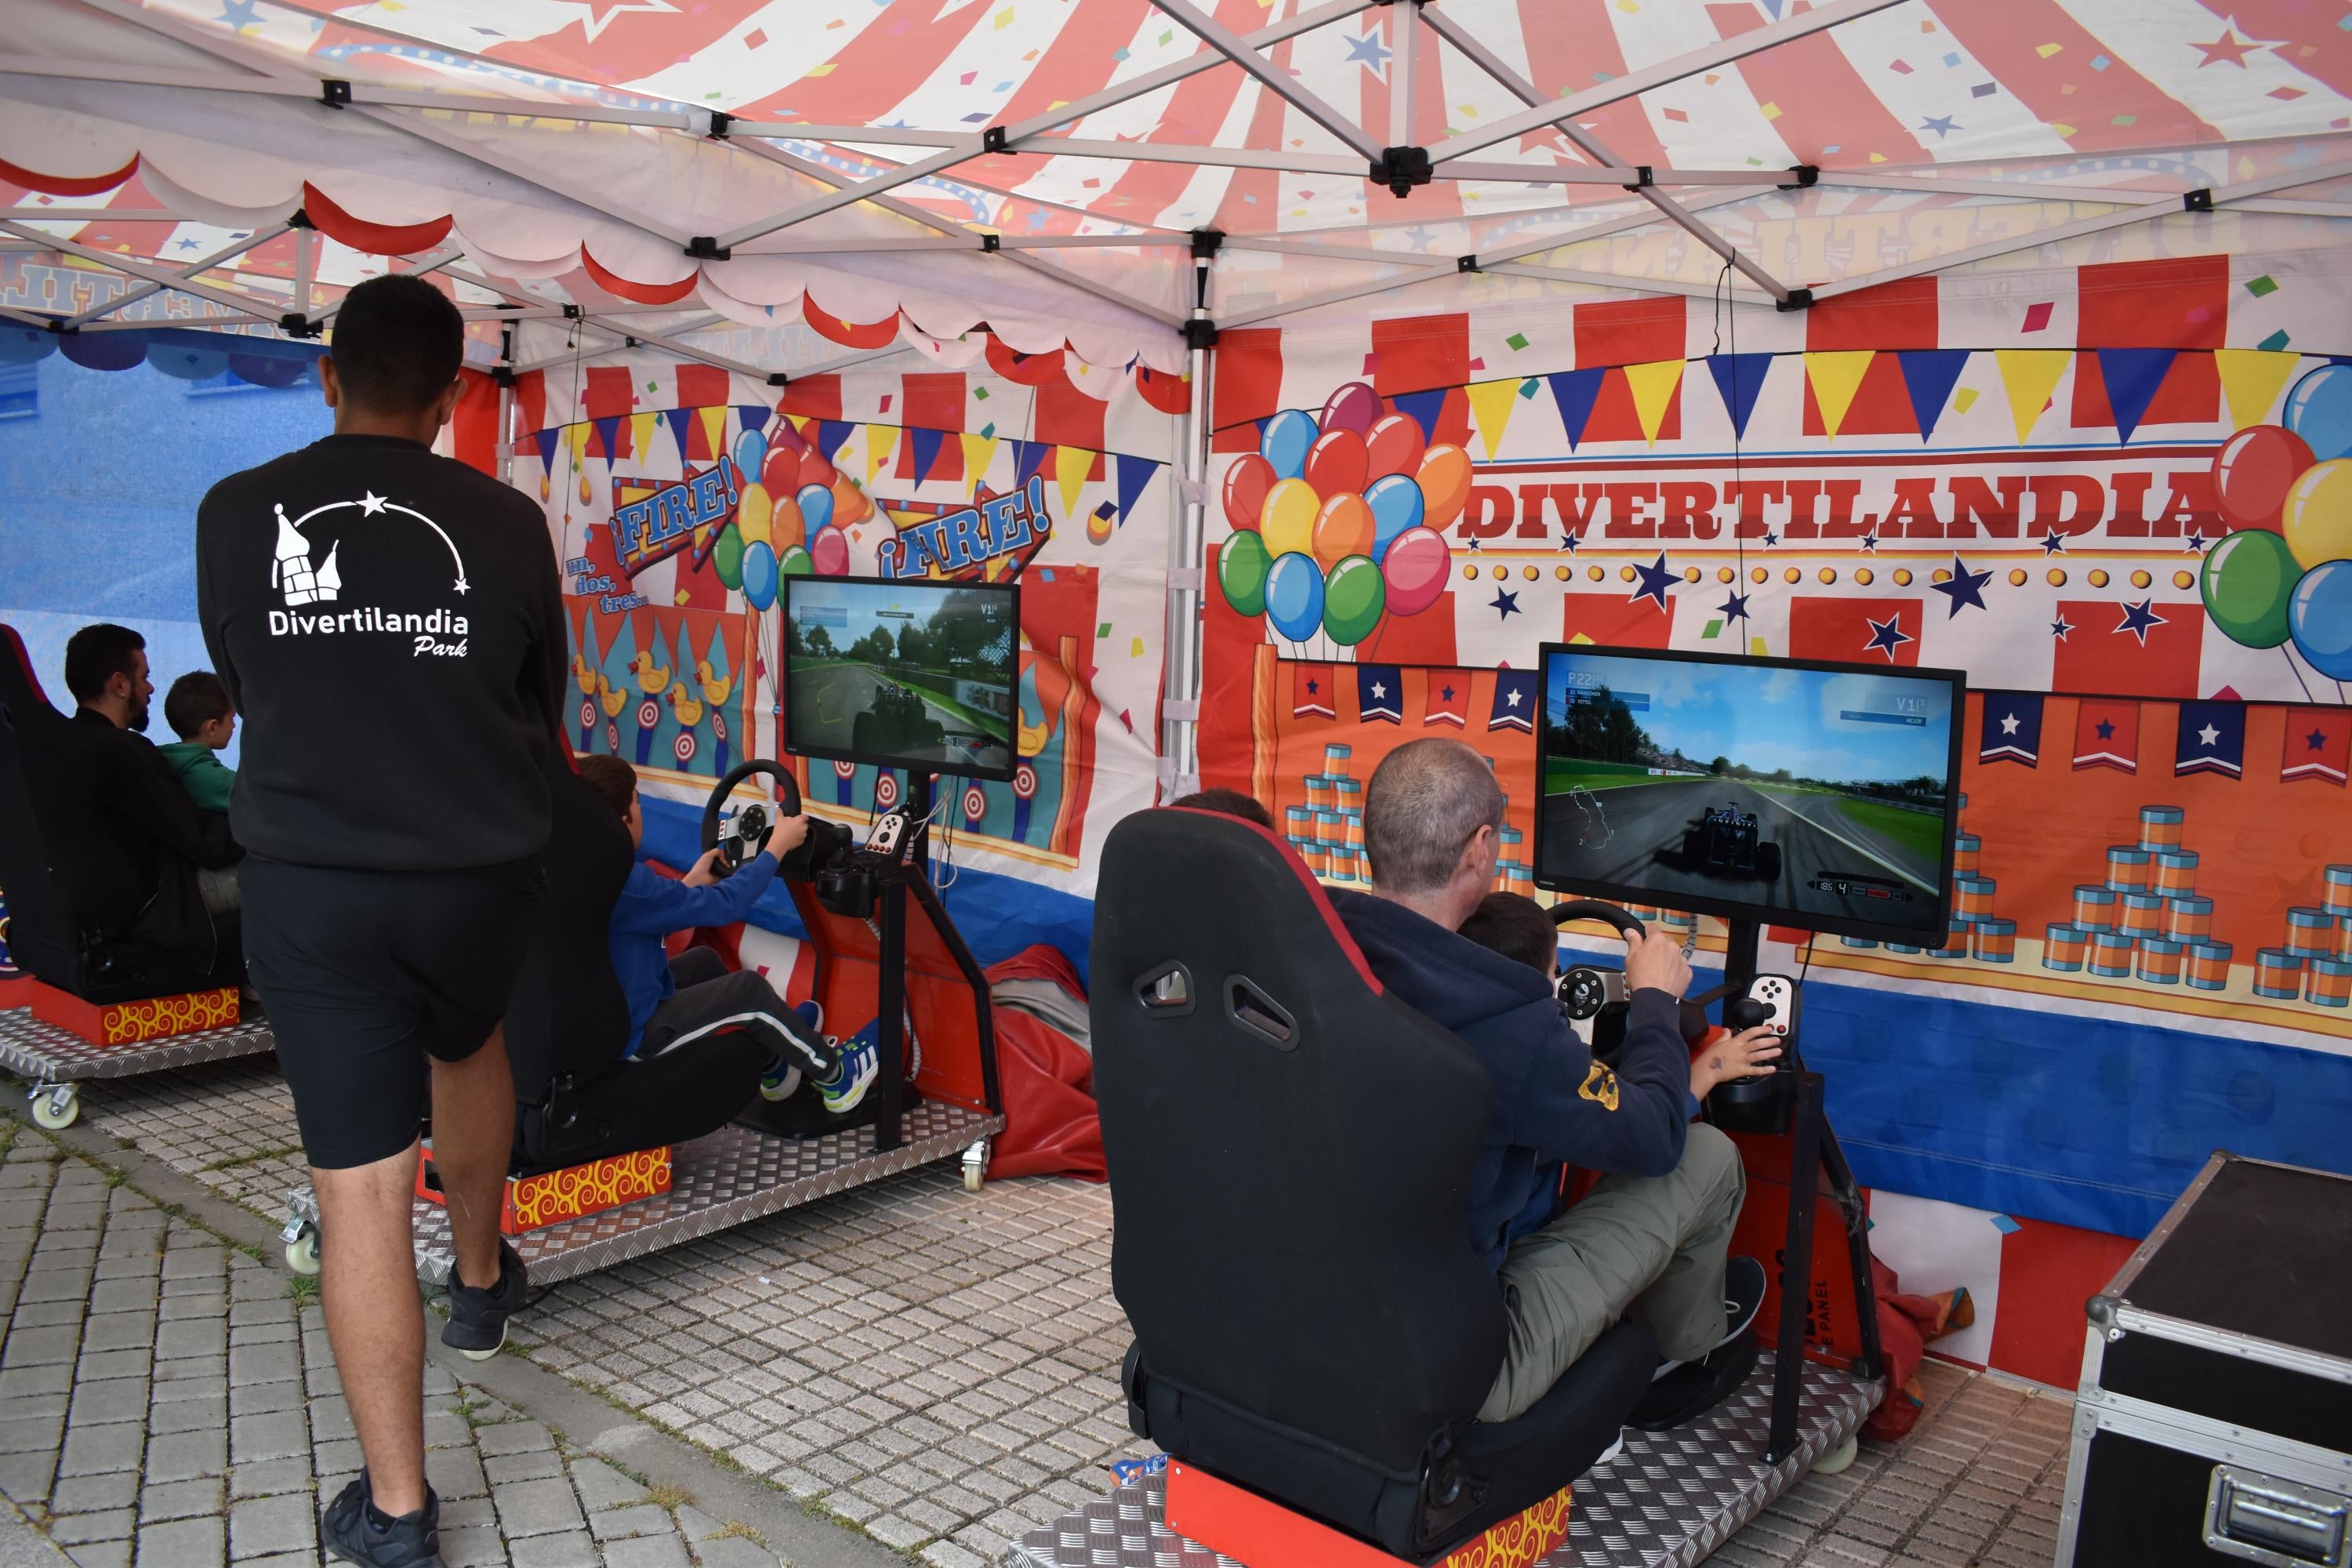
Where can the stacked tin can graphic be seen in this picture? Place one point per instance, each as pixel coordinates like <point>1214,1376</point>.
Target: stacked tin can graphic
<point>2144,918</point>
<point>2315,961</point>
<point>1328,830</point>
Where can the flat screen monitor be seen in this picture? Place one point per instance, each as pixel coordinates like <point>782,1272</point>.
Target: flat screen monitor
<point>903,673</point>
<point>1822,797</point>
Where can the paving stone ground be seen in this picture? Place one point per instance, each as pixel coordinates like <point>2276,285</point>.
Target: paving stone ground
<point>935,1368</point>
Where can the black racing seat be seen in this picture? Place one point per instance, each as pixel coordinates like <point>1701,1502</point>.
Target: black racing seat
<point>579,1099</point>
<point>1290,1153</point>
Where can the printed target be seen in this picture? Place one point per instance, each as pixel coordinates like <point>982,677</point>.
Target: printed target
<point>719,724</point>
<point>975,803</point>
<point>684,746</point>
<point>886,790</point>
<point>648,715</point>
<point>844,770</point>
<point>612,737</point>
<point>1024,781</point>
<point>587,713</point>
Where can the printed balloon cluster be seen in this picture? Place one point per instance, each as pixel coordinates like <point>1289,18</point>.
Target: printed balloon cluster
<point>2285,571</point>
<point>1340,518</point>
<point>790,523</point>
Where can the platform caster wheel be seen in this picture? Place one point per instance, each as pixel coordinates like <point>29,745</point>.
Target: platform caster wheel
<point>303,1253</point>
<point>55,1106</point>
<point>975,1166</point>
<point>1838,1458</point>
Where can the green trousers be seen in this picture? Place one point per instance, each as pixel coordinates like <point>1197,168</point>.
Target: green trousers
<point>1646,1249</point>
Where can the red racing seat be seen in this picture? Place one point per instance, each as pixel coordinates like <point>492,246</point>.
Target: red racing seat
<point>1289,1152</point>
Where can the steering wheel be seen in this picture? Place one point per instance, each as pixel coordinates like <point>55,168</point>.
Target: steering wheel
<point>1584,990</point>
<point>752,824</point>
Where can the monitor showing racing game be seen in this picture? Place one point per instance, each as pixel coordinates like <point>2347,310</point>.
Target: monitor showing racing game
<point>1822,797</point>
<point>903,673</point>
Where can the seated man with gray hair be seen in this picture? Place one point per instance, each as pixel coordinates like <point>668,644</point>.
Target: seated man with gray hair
<point>1649,1242</point>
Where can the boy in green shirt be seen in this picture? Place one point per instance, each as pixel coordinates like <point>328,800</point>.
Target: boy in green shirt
<point>199,711</point>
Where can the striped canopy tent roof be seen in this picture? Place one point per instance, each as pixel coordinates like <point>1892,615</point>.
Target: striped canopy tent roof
<point>795,185</point>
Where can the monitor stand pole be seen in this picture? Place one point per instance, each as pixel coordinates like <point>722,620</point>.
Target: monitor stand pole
<point>890,986</point>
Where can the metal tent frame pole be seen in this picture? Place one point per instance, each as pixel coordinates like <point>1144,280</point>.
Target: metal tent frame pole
<point>1180,707</point>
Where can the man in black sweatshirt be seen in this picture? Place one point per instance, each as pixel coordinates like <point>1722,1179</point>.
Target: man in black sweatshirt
<point>388,622</point>
<point>1650,1241</point>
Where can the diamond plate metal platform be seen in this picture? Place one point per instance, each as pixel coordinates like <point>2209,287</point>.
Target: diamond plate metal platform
<point>50,1055</point>
<point>730,1177</point>
<point>1671,1498</point>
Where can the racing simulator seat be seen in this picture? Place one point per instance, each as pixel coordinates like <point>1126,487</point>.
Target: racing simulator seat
<point>1290,1153</point>
<point>55,858</point>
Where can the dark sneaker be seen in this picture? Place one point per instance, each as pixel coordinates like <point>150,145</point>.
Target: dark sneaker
<point>357,1531</point>
<point>477,1328</point>
<point>1743,1297</point>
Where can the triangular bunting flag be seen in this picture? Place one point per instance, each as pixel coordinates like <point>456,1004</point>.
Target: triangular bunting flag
<point>641,434</point>
<point>608,437</point>
<point>1576,390</point>
<point>1421,408</point>
<point>979,451</point>
<point>709,435</point>
<point>1835,376</point>
<point>1737,379</point>
<point>2132,376</point>
<point>832,434</point>
<point>1653,386</point>
<point>753,416</point>
<point>580,434</point>
<point>1071,466</point>
<point>926,446</point>
<point>1029,460</point>
<point>1491,402</point>
<point>547,440</point>
<point>2029,377</point>
<point>682,428</point>
<point>2252,379</point>
<point>1927,376</point>
<point>1132,474</point>
<point>880,441</point>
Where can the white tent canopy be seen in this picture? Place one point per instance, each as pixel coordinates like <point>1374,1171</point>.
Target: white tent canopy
<point>894,176</point>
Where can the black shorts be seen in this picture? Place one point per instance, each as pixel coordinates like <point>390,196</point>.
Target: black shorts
<point>366,974</point>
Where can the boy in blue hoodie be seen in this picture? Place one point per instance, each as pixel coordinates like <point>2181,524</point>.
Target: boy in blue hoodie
<point>674,1002</point>
<point>1649,1243</point>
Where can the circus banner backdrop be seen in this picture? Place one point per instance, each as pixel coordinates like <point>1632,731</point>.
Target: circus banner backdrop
<point>681,496</point>
<point>2119,497</point>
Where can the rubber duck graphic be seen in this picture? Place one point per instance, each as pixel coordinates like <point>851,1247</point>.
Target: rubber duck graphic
<point>620,652</point>
<point>686,709</point>
<point>651,678</point>
<point>653,685</point>
<point>715,687</point>
<point>717,682</point>
<point>583,675</point>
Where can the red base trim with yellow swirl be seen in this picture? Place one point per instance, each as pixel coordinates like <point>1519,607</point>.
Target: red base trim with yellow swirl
<point>1260,1533</point>
<point>134,1023</point>
<point>532,1203</point>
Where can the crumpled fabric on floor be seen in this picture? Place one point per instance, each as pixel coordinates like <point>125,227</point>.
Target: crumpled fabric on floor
<point>1906,1326</point>
<point>1051,1126</point>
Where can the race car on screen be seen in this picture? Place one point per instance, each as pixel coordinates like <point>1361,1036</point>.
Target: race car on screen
<point>1726,839</point>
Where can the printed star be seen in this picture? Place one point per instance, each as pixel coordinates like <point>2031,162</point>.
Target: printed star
<point>600,12</point>
<point>1504,605</point>
<point>2209,734</point>
<point>2008,724</point>
<point>1886,636</point>
<point>1735,608</point>
<point>2139,620</point>
<point>1313,686</point>
<point>1447,693</point>
<point>2229,48</point>
<point>1655,581</point>
<point>1965,588</point>
<point>1368,49</point>
<point>2053,544</point>
<point>371,504</point>
<point>2061,627</point>
<point>1771,539</point>
<point>1419,237</point>
<point>2195,544</point>
<point>1379,689</point>
<point>463,586</point>
<point>1473,545</point>
<point>1870,543</point>
<point>1941,125</point>
<point>238,14</point>
<point>1513,699</point>
<point>1568,542</point>
<point>2317,740</point>
<point>189,245</point>
<point>2107,730</point>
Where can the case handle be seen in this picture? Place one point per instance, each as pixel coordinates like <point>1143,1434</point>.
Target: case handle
<point>2266,1520</point>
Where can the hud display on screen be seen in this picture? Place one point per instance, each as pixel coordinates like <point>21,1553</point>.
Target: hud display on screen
<point>1799,791</point>
<point>903,674</point>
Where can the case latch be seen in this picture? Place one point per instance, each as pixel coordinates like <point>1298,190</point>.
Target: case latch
<point>2266,1520</point>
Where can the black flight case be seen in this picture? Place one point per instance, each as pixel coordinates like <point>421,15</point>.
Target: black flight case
<point>2214,1422</point>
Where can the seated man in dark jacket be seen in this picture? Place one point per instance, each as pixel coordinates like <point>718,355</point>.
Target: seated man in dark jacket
<point>1649,1242</point>
<point>137,887</point>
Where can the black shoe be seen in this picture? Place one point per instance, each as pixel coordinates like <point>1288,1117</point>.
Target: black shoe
<point>477,1328</point>
<point>1743,1297</point>
<point>356,1531</point>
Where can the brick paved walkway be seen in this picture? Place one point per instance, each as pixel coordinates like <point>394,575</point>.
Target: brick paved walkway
<point>935,1370</point>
